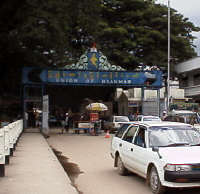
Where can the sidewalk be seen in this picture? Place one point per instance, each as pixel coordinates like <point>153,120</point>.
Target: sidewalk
<point>34,169</point>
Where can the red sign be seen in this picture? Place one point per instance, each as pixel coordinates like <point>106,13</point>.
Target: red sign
<point>94,117</point>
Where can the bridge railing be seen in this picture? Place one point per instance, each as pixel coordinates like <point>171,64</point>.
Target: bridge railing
<point>9,136</point>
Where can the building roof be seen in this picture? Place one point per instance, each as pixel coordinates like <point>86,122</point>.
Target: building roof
<point>190,65</point>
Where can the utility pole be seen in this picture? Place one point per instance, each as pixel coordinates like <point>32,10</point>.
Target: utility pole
<point>168,75</point>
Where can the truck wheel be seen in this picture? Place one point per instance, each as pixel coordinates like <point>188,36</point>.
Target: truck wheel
<point>120,167</point>
<point>154,182</point>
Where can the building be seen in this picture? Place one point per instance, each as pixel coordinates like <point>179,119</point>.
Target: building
<point>189,76</point>
<point>130,101</point>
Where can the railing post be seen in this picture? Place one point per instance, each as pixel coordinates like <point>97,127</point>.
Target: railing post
<point>6,145</point>
<point>2,153</point>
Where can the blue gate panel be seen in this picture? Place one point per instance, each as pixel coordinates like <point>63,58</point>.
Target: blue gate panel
<point>101,78</point>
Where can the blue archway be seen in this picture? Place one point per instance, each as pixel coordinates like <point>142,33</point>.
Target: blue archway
<point>92,69</point>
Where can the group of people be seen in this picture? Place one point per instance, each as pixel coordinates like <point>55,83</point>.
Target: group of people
<point>32,118</point>
<point>64,120</point>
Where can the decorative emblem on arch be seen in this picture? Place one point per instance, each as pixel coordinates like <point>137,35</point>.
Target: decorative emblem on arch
<point>94,61</point>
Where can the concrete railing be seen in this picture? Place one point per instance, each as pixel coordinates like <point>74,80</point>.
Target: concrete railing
<point>9,136</point>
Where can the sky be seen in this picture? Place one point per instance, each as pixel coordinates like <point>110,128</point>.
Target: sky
<point>189,9</point>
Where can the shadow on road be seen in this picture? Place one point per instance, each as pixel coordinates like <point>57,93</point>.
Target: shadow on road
<point>70,168</point>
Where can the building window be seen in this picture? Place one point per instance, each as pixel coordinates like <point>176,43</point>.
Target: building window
<point>184,82</point>
<point>197,79</point>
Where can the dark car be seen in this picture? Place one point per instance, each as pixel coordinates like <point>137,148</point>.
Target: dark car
<point>53,121</point>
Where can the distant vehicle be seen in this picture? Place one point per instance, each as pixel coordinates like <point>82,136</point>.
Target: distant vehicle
<point>184,116</point>
<point>187,113</point>
<point>164,153</point>
<point>144,118</point>
<point>124,127</point>
<point>115,122</point>
<point>175,118</point>
<point>53,121</point>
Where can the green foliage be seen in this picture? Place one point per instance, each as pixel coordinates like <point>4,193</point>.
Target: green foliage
<point>146,37</point>
<point>55,33</point>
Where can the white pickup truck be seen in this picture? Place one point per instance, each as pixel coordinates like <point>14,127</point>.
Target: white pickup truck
<point>186,116</point>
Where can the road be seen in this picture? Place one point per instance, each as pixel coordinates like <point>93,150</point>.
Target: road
<point>92,155</point>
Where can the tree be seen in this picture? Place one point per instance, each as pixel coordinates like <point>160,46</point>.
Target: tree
<point>55,33</point>
<point>136,31</point>
<point>83,24</point>
<point>41,34</point>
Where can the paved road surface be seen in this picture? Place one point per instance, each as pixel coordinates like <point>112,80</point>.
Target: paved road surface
<point>91,154</point>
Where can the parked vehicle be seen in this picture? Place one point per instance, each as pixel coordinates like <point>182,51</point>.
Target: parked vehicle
<point>53,121</point>
<point>164,153</point>
<point>184,116</point>
<point>186,113</point>
<point>144,118</point>
<point>115,122</point>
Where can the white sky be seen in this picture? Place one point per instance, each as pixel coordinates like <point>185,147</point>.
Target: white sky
<point>189,9</point>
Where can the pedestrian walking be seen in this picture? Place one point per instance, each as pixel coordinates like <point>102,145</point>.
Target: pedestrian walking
<point>37,119</point>
<point>66,122</point>
<point>26,120</point>
<point>62,122</point>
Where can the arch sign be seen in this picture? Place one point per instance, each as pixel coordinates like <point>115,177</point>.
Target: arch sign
<point>93,69</point>
<point>108,78</point>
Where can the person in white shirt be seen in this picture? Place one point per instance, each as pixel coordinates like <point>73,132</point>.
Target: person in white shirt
<point>66,122</point>
<point>164,114</point>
